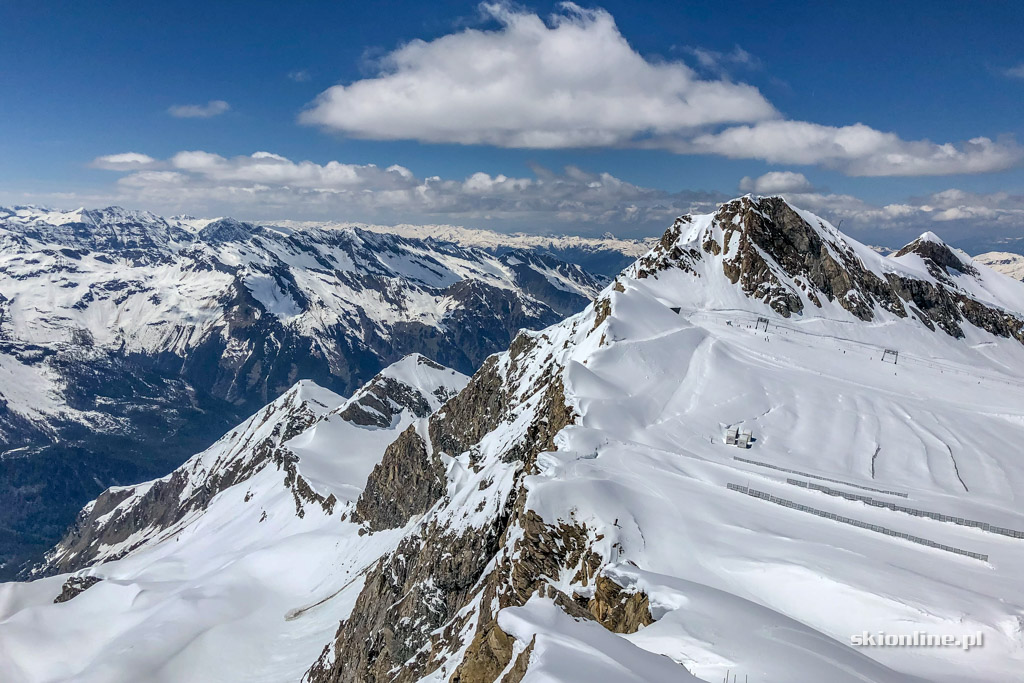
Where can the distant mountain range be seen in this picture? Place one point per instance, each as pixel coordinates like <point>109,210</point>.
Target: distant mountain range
<point>1003,262</point>
<point>129,341</point>
<point>605,255</point>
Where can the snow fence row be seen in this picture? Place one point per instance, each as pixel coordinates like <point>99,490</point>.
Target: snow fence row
<point>815,476</point>
<point>984,526</point>
<point>855,522</point>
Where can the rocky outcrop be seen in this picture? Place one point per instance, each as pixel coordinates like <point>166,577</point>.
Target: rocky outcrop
<point>75,586</point>
<point>431,606</point>
<point>770,235</point>
<point>407,482</point>
<point>937,255</point>
<point>385,397</point>
<point>618,609</point>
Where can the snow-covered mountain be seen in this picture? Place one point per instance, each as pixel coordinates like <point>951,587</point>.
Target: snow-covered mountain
<point>1003,262</point>
<point>129,341</point>
<point>576,512</point>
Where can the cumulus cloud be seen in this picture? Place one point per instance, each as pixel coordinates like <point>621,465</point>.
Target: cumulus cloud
<point>573,81</point>
<point>199,111</point>
<point>856,150</point>
<point>126,161</point>
<point>196,180</point>
<point>775,182</point>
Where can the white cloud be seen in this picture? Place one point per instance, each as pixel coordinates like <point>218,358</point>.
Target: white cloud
<point>266,185</point>
<point>299,75</point>
<point>573,81</point>
<point>276,170</point>
<point>126,161</point>
<point>153,179</point>
<point>196,181</point>
<point>199,111</point>
<point>720,62</point>
<point>856,150</point>
<point>1015,71</point>
<point>775,182</point>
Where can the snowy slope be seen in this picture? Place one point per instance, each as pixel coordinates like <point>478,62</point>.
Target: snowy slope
<point>574,513</point>
<point>238,586</point>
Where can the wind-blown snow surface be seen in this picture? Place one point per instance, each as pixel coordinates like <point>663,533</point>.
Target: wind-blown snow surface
<point>757,588</point>
<point>242,588</point>
<point>735,583</point>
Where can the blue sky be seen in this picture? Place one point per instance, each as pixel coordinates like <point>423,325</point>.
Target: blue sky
<point>479,110</point>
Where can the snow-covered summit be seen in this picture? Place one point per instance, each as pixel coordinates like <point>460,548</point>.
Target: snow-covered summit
<point>588,480</point>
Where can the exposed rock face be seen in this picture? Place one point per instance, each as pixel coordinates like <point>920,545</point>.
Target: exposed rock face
<point>818,266</point>
<point>618,610</point>
<point>432,604</point>
<point>939,257</point>
<point>75,586</point>
<point>407,482</point>
<point>382,400</point>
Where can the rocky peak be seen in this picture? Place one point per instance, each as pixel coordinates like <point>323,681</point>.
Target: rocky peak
<point>793,262</point>
<point>415,383</point>
<point>939,258</point>
<point>227,230</point>
<point>783,257</point>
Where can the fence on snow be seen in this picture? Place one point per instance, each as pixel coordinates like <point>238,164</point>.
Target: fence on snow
<point>815,476</point>
<point>855,522</point>
<point>974,524</point>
